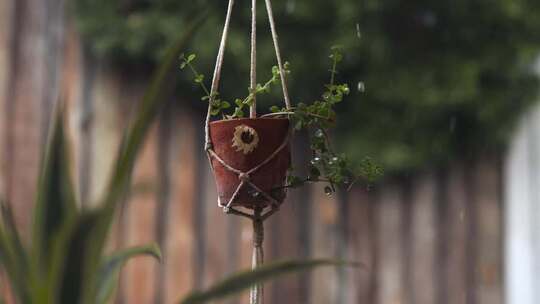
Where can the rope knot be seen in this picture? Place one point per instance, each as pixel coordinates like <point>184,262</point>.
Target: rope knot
<point>244,177</point>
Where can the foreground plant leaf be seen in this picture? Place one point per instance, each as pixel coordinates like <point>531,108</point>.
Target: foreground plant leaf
<point>244,280</point>
<point>55,195</point>
<point>133,140</point>
<point>13,258</point>
<point>109,272</point>
<point>70,271</point>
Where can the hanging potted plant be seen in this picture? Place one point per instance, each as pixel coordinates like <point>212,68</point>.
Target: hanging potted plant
<point>255,151</point>
<point>250,157</point>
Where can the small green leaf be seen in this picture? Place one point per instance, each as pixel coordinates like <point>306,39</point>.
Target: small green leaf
<point>239,113</point>
<point>247,279</point>
<point>191,57</point>
<point>275,109</point>
<point>199,78</point>
<point>215,111</point>
<point>225,105</point>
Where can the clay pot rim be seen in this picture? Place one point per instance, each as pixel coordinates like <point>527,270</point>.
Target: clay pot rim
<point>240,120</point>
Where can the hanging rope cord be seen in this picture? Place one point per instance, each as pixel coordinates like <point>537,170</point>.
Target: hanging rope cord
<point>253,78</point>
<point>258,216</point>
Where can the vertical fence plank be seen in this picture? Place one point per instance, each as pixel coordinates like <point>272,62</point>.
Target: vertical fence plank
<point>216,236</point>
<point>108,123</point>
<point>389,247</point>
<point>140,216</point>
<point>458,217</point>
<point>178,254</point>
<point>6,22</point>
<point>423,257</point>
<point>199,211</point>
<point>489,235</point>
<point>362,238</point>
<point>23,107</point>
<point>69,93</point>
<point>325,217</point>
<point>111,96</point>
<point>76,86</point>
<point>288,236</point>
<point>6,30</point>
<point>303,206</point>
<point>282,238</point>
<point>343,293</point>
<point>163,206</point>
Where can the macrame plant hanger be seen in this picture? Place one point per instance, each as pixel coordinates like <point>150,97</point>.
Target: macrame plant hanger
<point>260,214</point>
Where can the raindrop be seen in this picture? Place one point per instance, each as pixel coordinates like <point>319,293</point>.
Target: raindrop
<point>316,160</point>
<point>256,194</point>
<point>319,133</point>
<point>361,87</point>
<point>358,32</point>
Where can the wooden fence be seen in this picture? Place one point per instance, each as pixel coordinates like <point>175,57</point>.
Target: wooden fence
<point>432,237</point>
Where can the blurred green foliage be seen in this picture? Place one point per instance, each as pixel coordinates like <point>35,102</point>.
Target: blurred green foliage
<point>442,79</point>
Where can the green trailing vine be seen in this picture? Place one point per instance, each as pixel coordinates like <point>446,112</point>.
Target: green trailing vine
<point>316,118</point>
<point>219,106</point>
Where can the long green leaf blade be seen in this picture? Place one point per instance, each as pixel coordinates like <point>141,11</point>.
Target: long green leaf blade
<point>70,270</point>
<point>245,280</point>
<point>13,256</point>
<point>109,272</point>
<point>55,195</point>
<point>132,143</point>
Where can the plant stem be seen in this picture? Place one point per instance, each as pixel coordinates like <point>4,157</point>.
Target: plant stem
<point>201,84</point>
<point>334,71</point>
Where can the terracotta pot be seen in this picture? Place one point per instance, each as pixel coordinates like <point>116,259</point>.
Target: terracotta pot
<point>244,144</point>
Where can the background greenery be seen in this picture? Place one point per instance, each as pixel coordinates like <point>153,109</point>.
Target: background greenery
<point>443,79</point>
